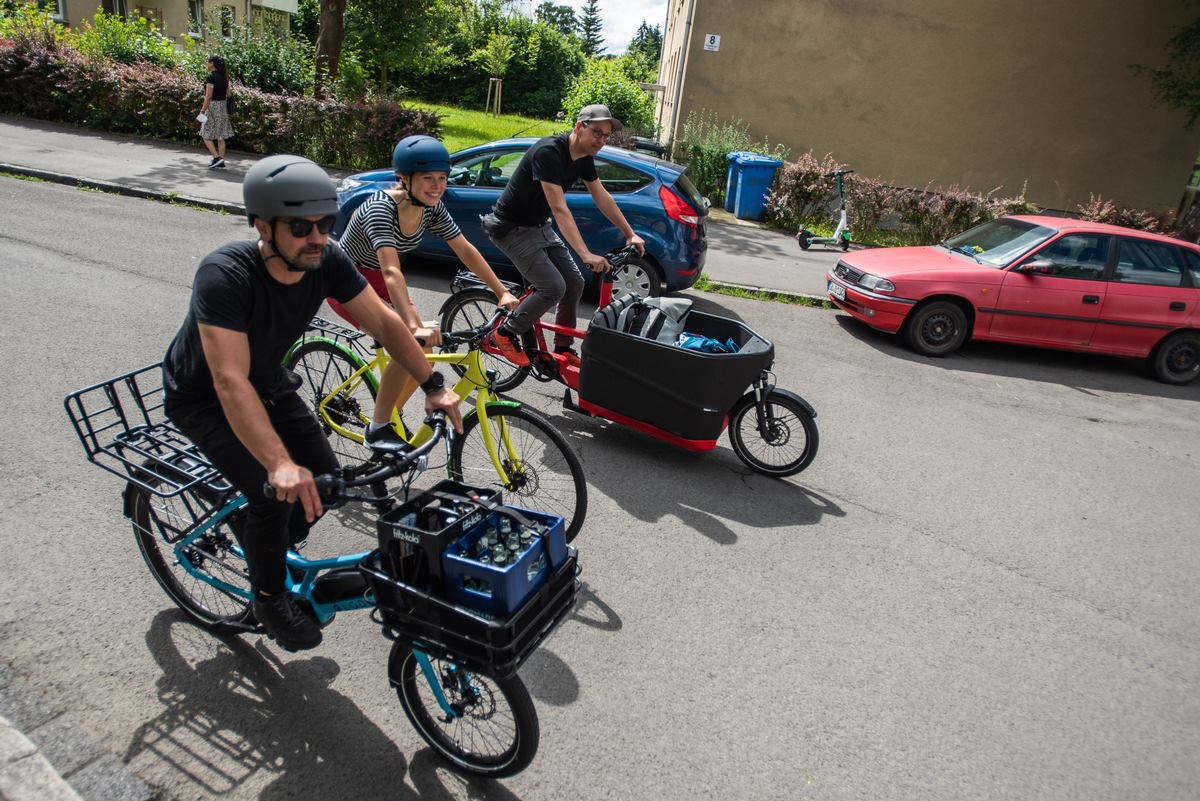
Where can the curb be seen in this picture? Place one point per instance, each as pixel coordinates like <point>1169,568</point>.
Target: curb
<point>46,757</point>
<point>121,189</point>
<point>769,294</point>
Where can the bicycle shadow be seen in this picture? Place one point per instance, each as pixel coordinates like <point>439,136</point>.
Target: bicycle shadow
<point>701,496</point>
<point>232,710</point>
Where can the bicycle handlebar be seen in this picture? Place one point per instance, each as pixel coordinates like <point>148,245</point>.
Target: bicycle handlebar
<point>335,486</point>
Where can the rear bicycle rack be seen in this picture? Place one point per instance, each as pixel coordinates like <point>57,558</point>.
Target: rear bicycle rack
<point>124,429</point>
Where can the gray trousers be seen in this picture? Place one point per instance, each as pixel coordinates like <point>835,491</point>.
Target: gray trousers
<point>549,267</point>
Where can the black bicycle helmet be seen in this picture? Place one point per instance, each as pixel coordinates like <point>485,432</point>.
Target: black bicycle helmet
<point>287,186</point>
<point>420,153</point>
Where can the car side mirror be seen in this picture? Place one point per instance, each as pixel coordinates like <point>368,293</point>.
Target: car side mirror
<point>1037,267</point>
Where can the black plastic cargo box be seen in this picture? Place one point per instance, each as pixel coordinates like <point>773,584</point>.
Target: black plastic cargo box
<point>684,392</point>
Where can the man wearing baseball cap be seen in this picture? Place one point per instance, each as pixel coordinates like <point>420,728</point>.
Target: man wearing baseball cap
<point>521,225</point>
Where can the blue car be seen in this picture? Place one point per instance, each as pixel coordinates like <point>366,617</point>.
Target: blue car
<point>656,197</point>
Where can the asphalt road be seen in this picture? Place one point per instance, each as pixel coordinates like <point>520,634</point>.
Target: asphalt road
<point>983,587</point>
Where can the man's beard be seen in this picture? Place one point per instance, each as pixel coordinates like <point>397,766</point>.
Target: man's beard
<point>302,265</point>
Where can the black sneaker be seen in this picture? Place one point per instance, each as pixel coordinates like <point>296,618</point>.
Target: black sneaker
<point>220,165</point>
<point>286,623</point>
<point>212,165</point>
<point>385,440</point>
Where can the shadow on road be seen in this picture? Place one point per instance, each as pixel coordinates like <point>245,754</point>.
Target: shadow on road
<point>709,491</point>
<point>233,710</point>
<point>1081,371</point>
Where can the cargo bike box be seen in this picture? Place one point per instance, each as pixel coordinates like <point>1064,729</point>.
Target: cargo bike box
<point>686,393</point>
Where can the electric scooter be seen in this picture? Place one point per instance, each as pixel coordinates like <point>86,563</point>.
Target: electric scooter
<point>841,236</point>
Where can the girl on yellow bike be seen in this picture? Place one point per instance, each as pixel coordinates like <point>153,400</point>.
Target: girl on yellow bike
<point>389,224</point>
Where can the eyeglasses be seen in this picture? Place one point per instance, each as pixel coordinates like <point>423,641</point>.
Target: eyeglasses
<point>597,133</point>
<point>302,228</point>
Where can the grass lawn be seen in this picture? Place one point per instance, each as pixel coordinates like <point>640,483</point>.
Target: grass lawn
<point>462,128</point>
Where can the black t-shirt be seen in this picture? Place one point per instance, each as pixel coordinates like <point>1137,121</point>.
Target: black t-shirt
<point>220,85</point>
<point>233,290</point>
<point>523,201</point>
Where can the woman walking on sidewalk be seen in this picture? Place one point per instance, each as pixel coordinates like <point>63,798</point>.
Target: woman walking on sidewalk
<point>216,128</point>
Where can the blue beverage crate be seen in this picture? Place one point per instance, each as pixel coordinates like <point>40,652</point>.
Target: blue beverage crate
<point>500,590</point>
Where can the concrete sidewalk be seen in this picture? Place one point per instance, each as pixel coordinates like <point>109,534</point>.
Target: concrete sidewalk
<point>44,756</point>
<point>740,254</point>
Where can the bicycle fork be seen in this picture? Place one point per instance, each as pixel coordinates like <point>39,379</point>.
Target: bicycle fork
<point>459,676</point>
<point>765,417</point>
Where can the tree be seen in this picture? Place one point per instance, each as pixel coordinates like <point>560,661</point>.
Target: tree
<point>645,50</point>
<point>1178,84</point>
<point>561,18</point>
<point>330,34</point>
<point>398,35</point>
<point>590,26</point>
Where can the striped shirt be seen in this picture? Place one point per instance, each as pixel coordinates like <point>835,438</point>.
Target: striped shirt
<point>375,225</point>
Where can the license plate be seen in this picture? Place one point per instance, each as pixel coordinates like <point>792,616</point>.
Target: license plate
<point>837,290</point>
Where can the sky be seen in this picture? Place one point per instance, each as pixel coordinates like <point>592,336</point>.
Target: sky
<point>621,18</point>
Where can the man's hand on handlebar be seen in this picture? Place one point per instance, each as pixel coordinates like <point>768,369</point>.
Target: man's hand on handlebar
<point>596,264</point>
<point>292,483</point>
<point>508,301</point>
<point>637,242</point>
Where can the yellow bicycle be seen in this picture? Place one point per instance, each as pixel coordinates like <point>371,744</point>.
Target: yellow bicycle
<point>504,444</point>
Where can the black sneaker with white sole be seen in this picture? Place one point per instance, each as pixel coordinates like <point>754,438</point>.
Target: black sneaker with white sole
<point>385,439</point>
<point>286,623</point>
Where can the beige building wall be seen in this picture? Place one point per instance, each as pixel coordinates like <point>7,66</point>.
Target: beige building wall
<point>980,94</point>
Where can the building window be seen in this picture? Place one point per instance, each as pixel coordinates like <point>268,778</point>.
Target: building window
<point>60,11</point>
<point>227,20</point>
<point>195,18</point>
<point>117,8</point>
<point>151,14</point>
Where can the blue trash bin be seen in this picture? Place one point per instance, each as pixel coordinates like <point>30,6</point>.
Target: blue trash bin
<point>733,178</point>
<point>756,173</point>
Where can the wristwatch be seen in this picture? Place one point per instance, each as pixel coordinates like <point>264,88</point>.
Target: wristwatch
<point>435,382</point>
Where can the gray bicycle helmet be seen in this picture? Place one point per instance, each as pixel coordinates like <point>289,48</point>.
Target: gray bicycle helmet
<point>287,186</point>
<point>420,153</point>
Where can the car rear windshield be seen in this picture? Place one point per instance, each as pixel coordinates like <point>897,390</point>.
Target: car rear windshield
<point>998,242</point>
<point>684,186</point>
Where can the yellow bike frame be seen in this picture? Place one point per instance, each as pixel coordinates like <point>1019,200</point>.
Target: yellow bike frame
<point>473,380</point>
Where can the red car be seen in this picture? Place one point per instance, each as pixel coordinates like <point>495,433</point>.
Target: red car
<point>1043,281</point>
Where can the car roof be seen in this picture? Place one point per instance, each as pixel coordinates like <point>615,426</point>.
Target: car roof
<point>646,160</point>
<point>1069,224</point>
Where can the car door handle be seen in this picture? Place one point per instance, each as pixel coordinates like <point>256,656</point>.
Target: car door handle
<point>1178,305</point>
<point>1091,300</point>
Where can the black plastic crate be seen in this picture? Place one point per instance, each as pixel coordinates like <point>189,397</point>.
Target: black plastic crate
<point>428,524</point>
<point>684,392</point>
<point>496,647</point>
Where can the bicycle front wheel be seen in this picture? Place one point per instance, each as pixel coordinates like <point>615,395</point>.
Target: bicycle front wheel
<point>323,367</point>
<point>471,309</point>
<point>157,523</point>
<point>782,444</point>
<point>543,471</point>
<point>494,732</point>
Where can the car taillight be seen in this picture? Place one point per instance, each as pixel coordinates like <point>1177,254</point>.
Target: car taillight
<point>677,208</point>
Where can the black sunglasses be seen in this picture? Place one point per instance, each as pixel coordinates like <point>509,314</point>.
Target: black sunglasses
<point>302,228</point>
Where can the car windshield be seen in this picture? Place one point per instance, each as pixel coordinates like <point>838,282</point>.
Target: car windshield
<point>685,187</point>
<point>998,242</point>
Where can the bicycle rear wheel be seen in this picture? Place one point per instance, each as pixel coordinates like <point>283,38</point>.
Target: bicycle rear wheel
<point>783,444</point>
<point>471,309</point>
<point>495,733</point>
<point>157,523</point>
<point>324,366</point>
<point>545,473</point>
